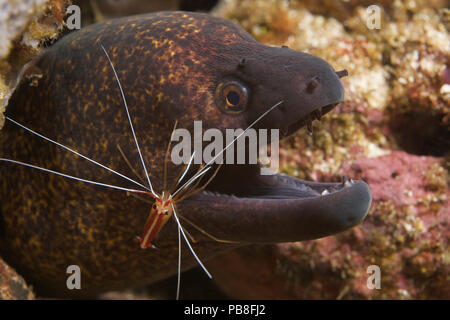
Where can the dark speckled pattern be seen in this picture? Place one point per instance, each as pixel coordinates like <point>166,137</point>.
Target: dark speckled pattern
<point>169,64</point>
<point>53,222</point>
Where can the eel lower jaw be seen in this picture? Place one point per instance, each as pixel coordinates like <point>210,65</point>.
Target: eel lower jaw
<point>243,206</point>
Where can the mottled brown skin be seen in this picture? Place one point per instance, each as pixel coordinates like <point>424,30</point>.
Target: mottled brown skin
<point>169,64</point>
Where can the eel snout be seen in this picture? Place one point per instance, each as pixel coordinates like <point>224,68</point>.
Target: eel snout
<point>308,86</point>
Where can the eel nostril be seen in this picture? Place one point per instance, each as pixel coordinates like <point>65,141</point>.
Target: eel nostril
<point>342,73</point>
<point>242,63</point>
<point>312,85</point>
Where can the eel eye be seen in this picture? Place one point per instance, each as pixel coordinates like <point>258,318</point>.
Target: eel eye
<point>166,212</point>
<point>232,96</point>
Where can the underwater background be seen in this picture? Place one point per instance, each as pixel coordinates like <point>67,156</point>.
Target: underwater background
<point>392,131</point>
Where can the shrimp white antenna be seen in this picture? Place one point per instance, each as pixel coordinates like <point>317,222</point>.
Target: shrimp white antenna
<point>75,152</point>
<point>191,181</point>
<point>187,242</point>
<point>129,120</point>
<point>187,168</point>
<point>70,177</point>
<point>179,262</point>
<point>196,176</point>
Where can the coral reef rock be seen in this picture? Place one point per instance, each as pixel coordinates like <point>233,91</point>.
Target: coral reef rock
<point>405,234</point>
<point>12,286</point>
<point>24,26</point>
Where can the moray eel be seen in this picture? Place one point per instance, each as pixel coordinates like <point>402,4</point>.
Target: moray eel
<point>170,65</point>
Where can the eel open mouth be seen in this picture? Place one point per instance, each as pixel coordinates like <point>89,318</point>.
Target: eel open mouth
<point>242,205</point>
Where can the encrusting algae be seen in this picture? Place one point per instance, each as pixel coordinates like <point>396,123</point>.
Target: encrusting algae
<point>24,27</point>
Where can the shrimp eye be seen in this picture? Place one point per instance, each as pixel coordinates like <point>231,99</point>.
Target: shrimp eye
<point>154,206</point>
<point>232,96</point>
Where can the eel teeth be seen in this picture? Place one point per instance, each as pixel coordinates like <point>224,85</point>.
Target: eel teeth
<point>309,127</point>
<point>325,192</point>
<point>345,181</point>
<point>318,114</point>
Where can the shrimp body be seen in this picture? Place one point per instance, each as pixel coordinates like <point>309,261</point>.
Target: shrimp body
<point>160,213</point>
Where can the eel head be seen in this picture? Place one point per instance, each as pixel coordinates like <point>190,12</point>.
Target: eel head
<point>240,204</point>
